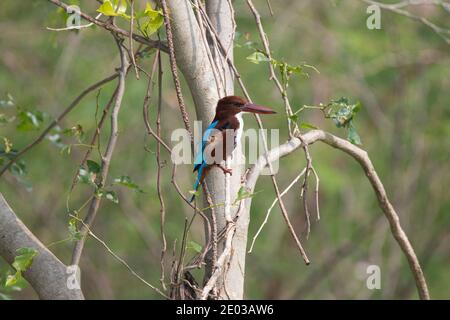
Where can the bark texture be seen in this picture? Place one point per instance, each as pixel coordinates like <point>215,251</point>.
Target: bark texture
<point>47,275</point>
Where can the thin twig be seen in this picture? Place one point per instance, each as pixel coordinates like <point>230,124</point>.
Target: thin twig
<point>106,159</point>
<point>363,159</point>
<point>133,61</point>
<point>122,261</point>
<point>83,26</point>
<point>113,28</point>
<point>258,119</point>
<point>220,81</point>
<point>444,33</point>
<point>173,68</point>
<point>162,209</point>
<point>271,207</point>
<point>221,262</point>
<point>57,120</point>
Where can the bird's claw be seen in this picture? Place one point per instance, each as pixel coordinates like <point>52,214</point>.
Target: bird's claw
<point>225,170</point>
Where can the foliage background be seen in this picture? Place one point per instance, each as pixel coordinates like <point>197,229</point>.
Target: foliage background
<point>400,74</point>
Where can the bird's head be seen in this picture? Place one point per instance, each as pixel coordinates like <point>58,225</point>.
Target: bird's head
<point>232,105</point>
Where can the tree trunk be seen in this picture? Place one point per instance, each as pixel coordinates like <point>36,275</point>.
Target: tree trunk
<point>193,61</point>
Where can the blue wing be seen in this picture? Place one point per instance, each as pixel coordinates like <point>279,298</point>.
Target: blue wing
<point>199,156</point>
<point>199,162</point>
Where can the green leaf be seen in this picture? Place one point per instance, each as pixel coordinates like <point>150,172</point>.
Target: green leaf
<point>127,182</point>
<point>8,145</point>
<point>86,177</point>
<point>154,21</point>
<point>93,167</point>
<point>306,125</point>
<point>12,279</point>
<point>55,137</point>
<point>18,168</point>
<point>342,100</point>
<point>8,102</point>
<point>356,108</point>
<point>257,57</point>
<point>108,195</point>
<point>114,8</point>
<point>353,136</point>
<point>25,258</point>
<point>244,194</point>
<point>29,120</point>
<point>76,131</point>
<point>293,118</point>
<point>294,69</point>
<point>75,235</point>
<point>195,246</point>
<point>21,263</point>
<point>150,26</point>
<point>67,149</point>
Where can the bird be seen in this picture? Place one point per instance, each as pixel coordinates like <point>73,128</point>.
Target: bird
<point>227,123</point>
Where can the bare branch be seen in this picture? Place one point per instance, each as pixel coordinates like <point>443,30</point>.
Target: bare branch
<point>273,205</point>
<point>173,67</point>
<point>106,159</point>
<point>363,159</point>
<point>57,120</point>
<point>221,262</point>
<point>444,33</point>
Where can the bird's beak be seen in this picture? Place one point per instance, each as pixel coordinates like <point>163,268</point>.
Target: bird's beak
<point>254,108</point>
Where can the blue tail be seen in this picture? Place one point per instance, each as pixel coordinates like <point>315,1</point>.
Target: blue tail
<point>197,181</point>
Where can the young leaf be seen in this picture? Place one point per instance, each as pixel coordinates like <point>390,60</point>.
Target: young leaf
<point>93,166</point>
<point>73,231</point>
<point>257,57</point>
<point>114,9</point>
<point>195,246</point>
<point>8,102</point>
<point>127,182</point>
<point>108,195</point>
<point>29,120</point>
<point>25,258</point>
<point>154,21</point>
<point>353,136</point>
<point>21,263</point>
<point>8,145</point>
<point>12,279</point>
<point>306,125</point>
<point>76,131</point>
<point>244,194</point>
<point>293,118</point>
<point>18,168</point>
<point>86,177</point>
<point>356,107</point>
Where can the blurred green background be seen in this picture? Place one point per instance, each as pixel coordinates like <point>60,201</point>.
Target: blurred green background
<point>399,73</point>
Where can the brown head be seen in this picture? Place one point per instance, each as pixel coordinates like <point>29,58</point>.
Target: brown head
<point>232,105</point>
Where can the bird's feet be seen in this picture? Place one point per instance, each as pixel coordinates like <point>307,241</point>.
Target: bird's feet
<point>225,170</point>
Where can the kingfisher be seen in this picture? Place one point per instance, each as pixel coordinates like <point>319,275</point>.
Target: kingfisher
<point>227,124</point>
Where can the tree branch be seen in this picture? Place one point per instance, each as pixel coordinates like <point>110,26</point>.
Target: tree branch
<point>56,121</point>
<point>363,159</point>
<point>115,29</point>
<point>106,158</point>
<point>47,274</point>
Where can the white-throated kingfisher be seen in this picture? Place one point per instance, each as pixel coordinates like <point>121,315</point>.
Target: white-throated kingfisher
<point>225,125</point>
